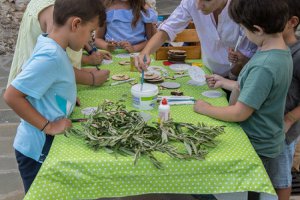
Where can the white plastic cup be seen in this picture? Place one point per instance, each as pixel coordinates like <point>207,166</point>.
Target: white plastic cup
<point>145,99</point>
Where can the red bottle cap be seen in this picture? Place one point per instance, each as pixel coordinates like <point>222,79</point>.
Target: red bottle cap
<point>164,101</point>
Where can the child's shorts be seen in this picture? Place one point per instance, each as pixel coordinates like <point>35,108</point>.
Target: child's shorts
<point>28,167</point>
<point>279,168</point>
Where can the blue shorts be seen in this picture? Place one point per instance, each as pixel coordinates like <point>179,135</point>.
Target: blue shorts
<point>28,167</point>
<point>279,168</point>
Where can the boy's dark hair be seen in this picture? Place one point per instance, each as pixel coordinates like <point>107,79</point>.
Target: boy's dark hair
<point>84,9</point>
<point>270,15</point>
<point>294,9</point>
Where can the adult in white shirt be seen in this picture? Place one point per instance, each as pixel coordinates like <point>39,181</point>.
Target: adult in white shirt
<point>217,33</point>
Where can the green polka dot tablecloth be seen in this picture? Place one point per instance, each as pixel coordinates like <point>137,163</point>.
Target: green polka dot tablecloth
<point>73,171</point>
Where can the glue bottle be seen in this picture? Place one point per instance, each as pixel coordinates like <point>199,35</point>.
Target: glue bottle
<point>163,111</point>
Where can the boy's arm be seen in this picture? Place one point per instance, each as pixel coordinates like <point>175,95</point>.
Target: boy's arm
<point>235,113</point>
<point>18,102</point>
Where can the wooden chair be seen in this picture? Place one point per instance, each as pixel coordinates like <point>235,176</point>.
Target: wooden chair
<point>188,35</point>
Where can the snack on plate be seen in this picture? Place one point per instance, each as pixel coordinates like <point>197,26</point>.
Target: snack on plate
<point>120,77</point>
<point>124,62</point>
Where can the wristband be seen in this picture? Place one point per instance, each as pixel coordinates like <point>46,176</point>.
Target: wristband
<point>45,125</point>
<point>93,78</point>
<point>291,117</point>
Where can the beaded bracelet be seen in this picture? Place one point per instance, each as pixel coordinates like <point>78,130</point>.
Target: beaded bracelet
<point>45,125</point>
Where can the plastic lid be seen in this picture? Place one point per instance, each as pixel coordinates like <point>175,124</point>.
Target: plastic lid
<point>164,101</point>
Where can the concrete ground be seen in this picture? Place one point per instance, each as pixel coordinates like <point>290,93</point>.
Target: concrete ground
<point>10,182</point>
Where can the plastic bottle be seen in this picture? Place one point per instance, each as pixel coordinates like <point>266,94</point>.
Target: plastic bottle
<point>163,111</point>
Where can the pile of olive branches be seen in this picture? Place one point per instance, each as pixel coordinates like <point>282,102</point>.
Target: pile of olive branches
<point>118,130</point>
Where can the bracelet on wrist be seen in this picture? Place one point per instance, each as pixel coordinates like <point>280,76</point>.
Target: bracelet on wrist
<point>291,117</point>
<point>93,79</point>
<point>46,124</point>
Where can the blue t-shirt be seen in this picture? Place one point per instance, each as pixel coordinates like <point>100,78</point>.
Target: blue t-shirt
<point>264,83</point>
<point>48,80</point>
<point>119,28</point>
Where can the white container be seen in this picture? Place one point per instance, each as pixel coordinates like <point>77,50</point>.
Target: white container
<point>144,99</point>
<point>163,111</point>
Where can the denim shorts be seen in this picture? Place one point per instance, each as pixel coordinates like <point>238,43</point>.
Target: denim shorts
<point>279,168</point>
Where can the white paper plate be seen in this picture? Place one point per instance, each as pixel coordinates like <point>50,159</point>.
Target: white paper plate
<point>197,74</point>
<point>196,83</point>
<point>89,110</point>
<point>106,62</point>
<point>123,55</point>
<point>212,94</point>
<point>179,67</point>
<point>170,85</point>
<point>177,44</point>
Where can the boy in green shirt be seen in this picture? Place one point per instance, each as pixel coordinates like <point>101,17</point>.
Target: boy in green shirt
<point>263,82</point>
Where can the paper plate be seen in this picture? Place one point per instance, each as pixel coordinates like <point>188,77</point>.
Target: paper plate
<point>123,55</point>
<point>89,110</point>
<point>156,68</point>
<point>196,83</point>
<point>106,62</point>
<point>212,94</point>
<point>170,85</point>
<point>179,67</point>
<point>197,74</point>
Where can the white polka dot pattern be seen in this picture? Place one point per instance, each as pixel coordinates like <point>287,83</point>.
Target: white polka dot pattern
<point>73,171</point>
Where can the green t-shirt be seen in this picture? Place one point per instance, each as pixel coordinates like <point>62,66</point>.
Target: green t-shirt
<point>264,83</point>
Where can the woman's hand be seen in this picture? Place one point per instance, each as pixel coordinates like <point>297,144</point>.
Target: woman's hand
<point>142,61</point>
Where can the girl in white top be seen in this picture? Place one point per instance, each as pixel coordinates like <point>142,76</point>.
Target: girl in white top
<point>217,33</point>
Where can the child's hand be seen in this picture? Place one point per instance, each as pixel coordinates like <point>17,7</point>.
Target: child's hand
<point>214,81</point>
<point>100,76</point>
<point>95,58</point>
<point>106,55</point>
<point>127,46</point>
<point>201,107</point>
<point>111,45</point>
<point>58,127</point>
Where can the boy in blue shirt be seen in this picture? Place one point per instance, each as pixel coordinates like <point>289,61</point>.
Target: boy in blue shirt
<point>263,82</point>
<point>44,93</point>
